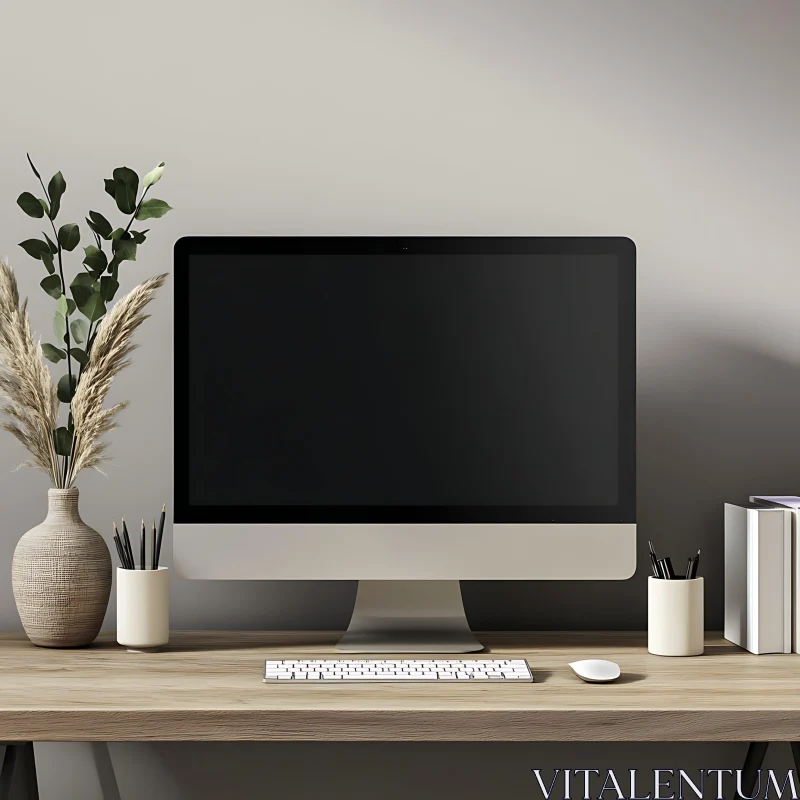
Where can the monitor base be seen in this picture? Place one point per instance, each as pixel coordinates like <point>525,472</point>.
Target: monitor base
<point>409,617</point>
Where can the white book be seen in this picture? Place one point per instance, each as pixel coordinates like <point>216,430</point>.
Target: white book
<point>758,578</point>
<point>792,503</point>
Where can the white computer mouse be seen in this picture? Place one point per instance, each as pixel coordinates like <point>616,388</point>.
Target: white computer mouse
<point>595,670</point>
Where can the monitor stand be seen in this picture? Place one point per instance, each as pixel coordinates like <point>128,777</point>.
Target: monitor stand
<point>409,617</point>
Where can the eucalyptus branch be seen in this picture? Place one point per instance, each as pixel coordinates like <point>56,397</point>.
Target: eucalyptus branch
<point>65,450</point>
<point>136,210</point>
<point>46,193</point>
<point>66,336</point>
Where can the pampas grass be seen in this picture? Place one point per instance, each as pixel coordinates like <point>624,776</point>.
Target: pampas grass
<point>29,398</point>
<point>112,346</point>
<point>27,393</point>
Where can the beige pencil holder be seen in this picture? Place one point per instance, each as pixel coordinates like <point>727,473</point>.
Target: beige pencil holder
<point>675,617</point>
<point>142,608</point>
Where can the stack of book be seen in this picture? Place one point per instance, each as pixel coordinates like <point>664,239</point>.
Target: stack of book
<point>762,601</point>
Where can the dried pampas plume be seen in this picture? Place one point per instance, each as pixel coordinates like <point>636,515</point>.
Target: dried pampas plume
<point>28,398</point>
<point>110,350</point>
<point>27,393</point>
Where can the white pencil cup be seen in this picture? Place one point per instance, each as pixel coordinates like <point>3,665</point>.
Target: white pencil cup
<point>675,617</point>
<point>142,608</point>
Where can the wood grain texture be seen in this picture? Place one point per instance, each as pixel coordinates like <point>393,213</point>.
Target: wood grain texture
<point>207,687</point>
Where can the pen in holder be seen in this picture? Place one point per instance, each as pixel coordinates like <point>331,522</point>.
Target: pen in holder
<point>142,608</point>
<point>675,617</point>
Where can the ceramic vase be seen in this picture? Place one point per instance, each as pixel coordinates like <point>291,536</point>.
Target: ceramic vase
<point>61,576</point>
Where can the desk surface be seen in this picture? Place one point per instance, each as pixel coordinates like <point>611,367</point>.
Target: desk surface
<point>207,686</point>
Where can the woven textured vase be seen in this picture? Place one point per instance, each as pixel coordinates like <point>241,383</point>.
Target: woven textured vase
<point>62,576</point>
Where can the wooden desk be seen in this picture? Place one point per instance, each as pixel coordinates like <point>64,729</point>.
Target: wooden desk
<point>207,686</point>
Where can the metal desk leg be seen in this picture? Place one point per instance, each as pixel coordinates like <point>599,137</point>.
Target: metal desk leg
<point>76,769</point>
<point>18,775</point>
<point>105,771</point>
<point>752,764</point>
<point>7,771</point>
<point>796,755</point>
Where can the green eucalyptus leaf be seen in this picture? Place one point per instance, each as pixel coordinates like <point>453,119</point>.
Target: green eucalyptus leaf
<point>124,249</point>
<point>95,259</point>
<point>35,171</point>
<point>79,330</point>
<point>30,205</point>
<point>93,308</point>
<point>56,189</point>
<point>154,176</point>
<point>109,185</point>
<point>47,260</point>
<point>126,187</point>
<point>35,247</point>
<point>139,236</point>
<point>53,353</point>
<point>117,233</point>
<point>82,279</point>
<point>70,307</point>
<point>153,209</point>
<point>69,235</point>
<point>62,307</point>
<point>52,285</point>
<point>113,268</point>
<point>108,288</point>
<point>59,326</point>
<point>62,438</point>
<point>45,207</point>
<point>53,246</point>
<point>82,288</point>
<point>99,224</point>
<point>66,388</point>
<point>79,355</point>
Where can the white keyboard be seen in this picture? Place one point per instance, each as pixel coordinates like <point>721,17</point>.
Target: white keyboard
<point>472,670</point>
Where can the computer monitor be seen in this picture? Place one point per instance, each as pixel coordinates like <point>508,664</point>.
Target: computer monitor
<point>407,412</point>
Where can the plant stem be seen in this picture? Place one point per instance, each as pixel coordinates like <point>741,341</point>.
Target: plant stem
<point>66,335</point>
<point>47,195</point>
<point>88,348</point>
<point>56,467</point>
<point>136,210</point>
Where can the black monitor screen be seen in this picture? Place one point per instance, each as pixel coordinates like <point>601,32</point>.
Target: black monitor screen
<point>404,386</point>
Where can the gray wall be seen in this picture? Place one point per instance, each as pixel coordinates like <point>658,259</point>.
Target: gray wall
<point>673,123</point>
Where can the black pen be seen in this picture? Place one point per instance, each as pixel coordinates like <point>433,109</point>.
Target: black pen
<point>160,533</point>
<point>153,564</point>
<point>695,564</point>
<point>142,547</point>
<point>126,545</point>
<point>666,568</point>
<point>122,560</point>
<point>654,561</point>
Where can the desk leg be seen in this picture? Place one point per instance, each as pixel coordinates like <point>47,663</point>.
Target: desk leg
<point>18,775</point>
<point>76,769</point>
<point>752,764</point>
<point>796,756</point>
<point>7,771</point>
<point>105,771</point>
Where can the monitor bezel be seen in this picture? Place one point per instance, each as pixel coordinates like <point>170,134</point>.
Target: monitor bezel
<point>622,248</point>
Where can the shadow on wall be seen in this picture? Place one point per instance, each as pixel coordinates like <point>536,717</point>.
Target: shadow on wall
<point>717,423</point>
